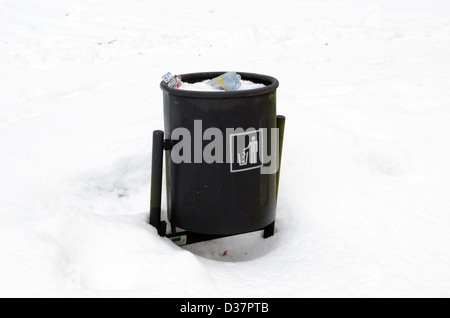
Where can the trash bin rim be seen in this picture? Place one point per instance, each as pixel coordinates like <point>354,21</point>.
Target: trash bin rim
<point>270,82</point>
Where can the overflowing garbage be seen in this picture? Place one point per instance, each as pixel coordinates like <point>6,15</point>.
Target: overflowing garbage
<point>227,82</point>
<point>172,81</point>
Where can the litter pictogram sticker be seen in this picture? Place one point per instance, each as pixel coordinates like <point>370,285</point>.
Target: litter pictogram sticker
<point>246,150</point>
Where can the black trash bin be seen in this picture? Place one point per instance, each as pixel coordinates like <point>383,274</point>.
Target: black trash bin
<point>220,160</point>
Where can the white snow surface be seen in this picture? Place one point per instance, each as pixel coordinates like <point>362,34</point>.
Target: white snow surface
<point>364,204</point>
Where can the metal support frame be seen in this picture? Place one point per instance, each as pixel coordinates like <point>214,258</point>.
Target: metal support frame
<point>187,237</point>
<point>156,184</point>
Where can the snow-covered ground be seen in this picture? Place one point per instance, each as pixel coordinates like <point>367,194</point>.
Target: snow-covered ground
<point>364,205</point>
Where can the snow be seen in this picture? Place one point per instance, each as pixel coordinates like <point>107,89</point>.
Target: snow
<point>363,206</point>
<point>204,86</point>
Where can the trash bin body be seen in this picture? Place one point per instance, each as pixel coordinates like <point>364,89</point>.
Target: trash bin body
<point>228,196</point>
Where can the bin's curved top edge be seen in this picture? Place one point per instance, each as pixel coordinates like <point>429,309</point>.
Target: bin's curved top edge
<point>270,82</point>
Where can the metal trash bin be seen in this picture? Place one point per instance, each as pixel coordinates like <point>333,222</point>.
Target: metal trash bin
<point>222,166</point>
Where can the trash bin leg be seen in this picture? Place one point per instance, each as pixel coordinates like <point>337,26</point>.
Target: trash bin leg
<point>269,230</point>
<point>156,183</point>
